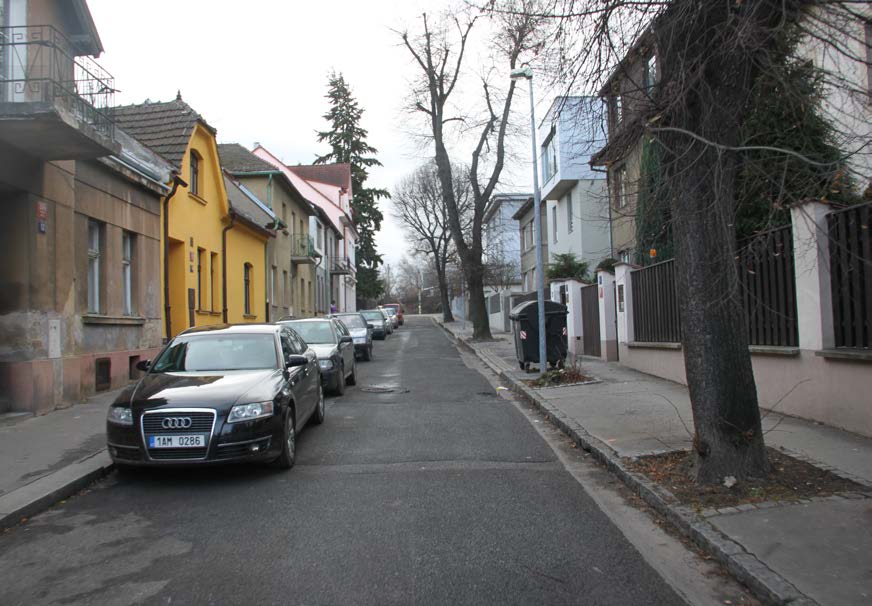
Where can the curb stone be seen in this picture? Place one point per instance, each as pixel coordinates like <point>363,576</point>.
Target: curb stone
<point>41,494</point>
<point>766,584</point>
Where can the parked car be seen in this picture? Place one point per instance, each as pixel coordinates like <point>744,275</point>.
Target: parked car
<point>389,321</point>
<point>392,315</point>
<point>361,332</point>
<point>396,309</point>
<point>218,394</point>
<point>335,349</point>
<point>378,321</point>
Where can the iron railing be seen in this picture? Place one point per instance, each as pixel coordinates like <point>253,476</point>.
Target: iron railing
<point>302,246</point>
<point>37,64</point>
<point>767,283</point>
<point>341,265</point>
<point>850,244</point>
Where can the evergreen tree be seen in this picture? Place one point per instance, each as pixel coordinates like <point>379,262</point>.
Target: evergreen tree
<point>347,140</point>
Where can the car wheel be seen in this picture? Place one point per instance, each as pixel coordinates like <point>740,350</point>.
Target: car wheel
<point>288,457</point>
<point>352,378</point>
<point>340,381</point>
<point>367,353</point>
<point>320,410</point>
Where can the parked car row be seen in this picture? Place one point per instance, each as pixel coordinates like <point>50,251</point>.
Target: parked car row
<point>239,393</point>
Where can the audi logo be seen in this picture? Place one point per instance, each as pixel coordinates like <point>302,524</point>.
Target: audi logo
<point>176,423</point>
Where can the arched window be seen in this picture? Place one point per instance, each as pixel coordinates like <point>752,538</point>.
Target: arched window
<point>246,280</point>
<point>195,173</point>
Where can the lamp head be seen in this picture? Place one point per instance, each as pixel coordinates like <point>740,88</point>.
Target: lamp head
<point>522,72</point>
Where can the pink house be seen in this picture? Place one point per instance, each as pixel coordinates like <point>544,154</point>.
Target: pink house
<point>328,187</point>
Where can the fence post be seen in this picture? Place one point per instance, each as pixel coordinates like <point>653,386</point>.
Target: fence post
<point>624,281</point>
<point>811,262</point>
<point>608,321</point>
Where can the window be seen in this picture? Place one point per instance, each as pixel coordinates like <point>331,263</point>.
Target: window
<point>127,240</point>
<point>285,288</point>
<point>293,222</point>
<point>94,253</point>
<point>869,56</point>
<point>201,278</point>
<point>549,156</point>
<point>213,281</point>
<point>617,109</point>
<point>523,246</point>
<point>569,212</point>
<point>624,255</point>
<point>621,187</point>
<point>284,213</point>
<point>272,285</point>
<point>194,185</point>
<point>320,237</point>
<point>302,295</point>
<point>554,222</point>
<point>246,284</point>
<point>651,72</point>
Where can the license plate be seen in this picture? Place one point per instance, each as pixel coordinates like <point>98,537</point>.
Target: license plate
<point>197,440</point>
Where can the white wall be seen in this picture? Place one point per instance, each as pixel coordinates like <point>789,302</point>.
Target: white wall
<point>589,238</point>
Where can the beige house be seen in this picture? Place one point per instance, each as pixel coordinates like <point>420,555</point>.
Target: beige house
<point>525,218</point>
<point>79,219</point>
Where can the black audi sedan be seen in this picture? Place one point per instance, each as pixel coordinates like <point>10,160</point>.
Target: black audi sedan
<point>219,394</point>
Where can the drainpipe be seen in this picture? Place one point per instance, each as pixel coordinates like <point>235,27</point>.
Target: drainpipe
<point>177,181</point>
<point>224,263</point>
<point>609,206</point>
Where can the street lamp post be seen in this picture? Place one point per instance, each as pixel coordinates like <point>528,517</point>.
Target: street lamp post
<point>527,74</point>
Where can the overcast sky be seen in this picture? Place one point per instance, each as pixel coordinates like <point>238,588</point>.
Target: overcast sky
<point>257,71</point>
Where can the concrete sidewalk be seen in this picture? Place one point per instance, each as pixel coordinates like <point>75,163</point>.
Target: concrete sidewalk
<point>49,457</point>
<point>819,547</point>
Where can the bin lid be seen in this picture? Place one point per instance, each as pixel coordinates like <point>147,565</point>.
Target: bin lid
<point>530,309</point>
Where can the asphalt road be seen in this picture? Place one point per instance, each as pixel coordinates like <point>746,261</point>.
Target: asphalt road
<point>438,492</point>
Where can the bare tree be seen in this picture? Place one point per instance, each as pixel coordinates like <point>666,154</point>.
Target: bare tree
<point>439,53</point>
<point>419,204</point>
<point>712,58</point>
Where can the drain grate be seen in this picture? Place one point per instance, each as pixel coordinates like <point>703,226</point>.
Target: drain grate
<point>378,389</point>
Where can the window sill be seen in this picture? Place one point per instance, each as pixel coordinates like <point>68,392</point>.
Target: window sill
<point>855,355</point>
<point>113,320</point>
<point>773,350</point>
<point>648,345</point>
<point>197,198</point>
<point>249,317</point>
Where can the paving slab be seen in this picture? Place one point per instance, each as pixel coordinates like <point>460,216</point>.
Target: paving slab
<point>821,547</point>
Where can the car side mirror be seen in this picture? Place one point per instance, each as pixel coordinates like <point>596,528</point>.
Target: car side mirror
<point>346,339</point>
<point>294,360</point>
<point>143,365</point>
<point>370,326</point>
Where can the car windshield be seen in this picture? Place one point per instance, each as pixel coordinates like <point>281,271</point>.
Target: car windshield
<point>352,321</point>
<point>218,352</point>
<point>373,315</point>
<point>391,310</point>
<point>314,332</point>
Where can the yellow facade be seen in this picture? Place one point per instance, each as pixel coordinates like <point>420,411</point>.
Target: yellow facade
<point>196,225</point>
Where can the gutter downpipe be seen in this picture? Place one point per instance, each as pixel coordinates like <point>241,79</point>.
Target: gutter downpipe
<point>609,206</point>
<point>177,180</point>
<point>224,264</point>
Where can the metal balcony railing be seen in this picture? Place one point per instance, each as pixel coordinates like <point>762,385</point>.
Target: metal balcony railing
<point>302,246</point>
<point>37,64</point>
<point>341,265</point>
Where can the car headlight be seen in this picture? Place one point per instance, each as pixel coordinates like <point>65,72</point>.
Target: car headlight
<point>325,364</point>
<point>248,412</point>
<point>121,415</point>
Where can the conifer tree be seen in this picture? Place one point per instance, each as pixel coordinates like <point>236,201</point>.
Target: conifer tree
<point>347,140</point>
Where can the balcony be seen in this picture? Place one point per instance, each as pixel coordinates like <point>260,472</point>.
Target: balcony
<point>303,250</point>
<point>53,105</point>
<point>341,266</point>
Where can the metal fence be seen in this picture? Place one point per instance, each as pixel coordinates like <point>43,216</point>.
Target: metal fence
<point>851,275</point>
<point>655,304</point>
<point>767,284</point>
<point>37,64</point>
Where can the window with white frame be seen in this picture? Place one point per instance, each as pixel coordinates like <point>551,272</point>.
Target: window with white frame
<point>95,251</point>
<point>621,187</point>
<point>127,240</point>
<point>651,72</point>
<point>549,156</point>
<point>569,212</point>
<point>617,109</point>
<point>554,222</point>
<point>246,283</point>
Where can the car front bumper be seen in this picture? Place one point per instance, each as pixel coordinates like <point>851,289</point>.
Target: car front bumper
<point>246,441</point>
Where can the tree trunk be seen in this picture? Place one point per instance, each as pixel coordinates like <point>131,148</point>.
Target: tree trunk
<point>477,303</point>
<point>712,74</point>
<point>447,316</point>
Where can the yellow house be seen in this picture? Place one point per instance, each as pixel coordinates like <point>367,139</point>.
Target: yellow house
<point>212,253</point>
